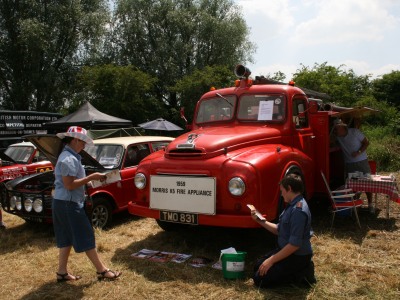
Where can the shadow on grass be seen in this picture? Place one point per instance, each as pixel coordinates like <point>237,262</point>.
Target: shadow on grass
<point>41,235</point>
<point>30,233</point>
<point>204,242</point>
<point>121,219</point>
<point>55,290</point>
<point>346,226</point>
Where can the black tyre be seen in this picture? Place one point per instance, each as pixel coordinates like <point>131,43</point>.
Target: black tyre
<point>101,214</point>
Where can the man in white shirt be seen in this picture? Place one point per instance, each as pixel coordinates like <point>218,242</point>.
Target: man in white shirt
<point>354,145</point>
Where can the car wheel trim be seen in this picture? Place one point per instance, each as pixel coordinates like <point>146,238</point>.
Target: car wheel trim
<point>100,216</point>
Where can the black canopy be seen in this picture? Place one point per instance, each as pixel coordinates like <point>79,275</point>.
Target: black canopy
<point>89,117</point>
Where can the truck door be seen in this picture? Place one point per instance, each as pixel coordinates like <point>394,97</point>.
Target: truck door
<point>303,135</point>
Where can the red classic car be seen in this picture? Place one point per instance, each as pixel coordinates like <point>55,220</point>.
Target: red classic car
<point>30,197</point>
<point>22,159</point>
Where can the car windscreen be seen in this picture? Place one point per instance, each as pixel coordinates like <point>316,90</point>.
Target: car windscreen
<point>109,156</point>
<point>159,145</point>
<point>20,154</point>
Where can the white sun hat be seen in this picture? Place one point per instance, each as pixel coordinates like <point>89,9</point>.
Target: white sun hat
<point>339,122</point>
<point>77,133</point>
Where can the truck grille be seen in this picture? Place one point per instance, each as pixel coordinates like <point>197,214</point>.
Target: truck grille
<point>185,152</point>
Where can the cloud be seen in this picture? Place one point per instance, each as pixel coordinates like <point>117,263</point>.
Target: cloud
<point>340,21</point>
<point>360,34</point>
<point>364,68</point>
<point>267,19</point>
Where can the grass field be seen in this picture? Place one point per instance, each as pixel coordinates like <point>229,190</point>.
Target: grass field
<point>350,263</point>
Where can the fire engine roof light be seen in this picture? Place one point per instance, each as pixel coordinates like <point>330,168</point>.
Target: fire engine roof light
<point>291,83</point>
<point>212,88</point>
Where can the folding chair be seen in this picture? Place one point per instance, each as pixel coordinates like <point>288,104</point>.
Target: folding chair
<point>342,200</point>
<point>372,166</point>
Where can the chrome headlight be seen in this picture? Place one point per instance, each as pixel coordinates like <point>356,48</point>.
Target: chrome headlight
<point>18,203</point>
<point>140,181</point>
<point>38,205</point>
<point>28,204</point>
<point>236,186</point>
<point>13,200</point>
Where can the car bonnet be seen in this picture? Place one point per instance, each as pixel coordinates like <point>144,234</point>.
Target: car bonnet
<point>51,146</point>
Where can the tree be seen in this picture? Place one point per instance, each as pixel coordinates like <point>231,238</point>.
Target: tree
<point>170,39</point>
<point>121,91</point>
<point>41,45</point>
<point>344,87</point>
<point>387,88</point>
<point>191,87</point>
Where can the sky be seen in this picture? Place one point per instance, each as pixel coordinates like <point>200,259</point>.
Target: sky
<point>362,35</point>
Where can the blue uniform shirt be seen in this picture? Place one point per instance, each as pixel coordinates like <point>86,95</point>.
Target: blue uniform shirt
<point>294,226</point>
<point>69,164</point>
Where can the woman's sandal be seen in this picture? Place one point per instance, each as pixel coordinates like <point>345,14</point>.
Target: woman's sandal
<point>65,278</point>
<point>102,275</point>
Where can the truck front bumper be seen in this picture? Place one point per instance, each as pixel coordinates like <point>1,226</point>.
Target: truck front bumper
<point>234,221</point>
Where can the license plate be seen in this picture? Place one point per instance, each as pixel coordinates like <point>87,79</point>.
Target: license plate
<point>178,217</point>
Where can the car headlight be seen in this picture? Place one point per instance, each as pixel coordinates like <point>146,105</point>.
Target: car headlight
<point>13,201</point>
<point>140,181</point>
<point>28,204</point>
<point>236,186</point>
<point>18,203</point>
<point>38,205</point>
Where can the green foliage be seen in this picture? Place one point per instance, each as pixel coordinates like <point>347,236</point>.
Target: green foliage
<point>191,87</point>
<point>122,91</point>
<point>170,39</point>
<point>387,88</point>
<point>278,76</point>
<point>344,87</point>
<point>41,42</point>
<point>388,116</point>
<point>384,147</point>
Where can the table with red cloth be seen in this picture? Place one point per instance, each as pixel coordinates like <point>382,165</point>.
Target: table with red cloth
<point>376,184</point>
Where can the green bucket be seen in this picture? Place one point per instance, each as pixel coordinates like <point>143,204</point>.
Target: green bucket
<point>233,265</point>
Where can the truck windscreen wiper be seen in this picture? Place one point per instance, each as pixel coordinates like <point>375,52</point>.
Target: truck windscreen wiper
<point>219,95</point>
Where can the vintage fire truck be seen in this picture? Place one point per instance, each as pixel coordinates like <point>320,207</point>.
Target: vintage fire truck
<point>243,140</point>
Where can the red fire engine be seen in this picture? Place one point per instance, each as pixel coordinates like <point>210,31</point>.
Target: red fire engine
<point>243,141</point>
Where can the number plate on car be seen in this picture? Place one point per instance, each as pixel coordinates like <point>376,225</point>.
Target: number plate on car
<point>178,217</point>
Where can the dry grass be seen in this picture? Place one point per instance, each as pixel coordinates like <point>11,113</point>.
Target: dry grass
<point>350,263</point>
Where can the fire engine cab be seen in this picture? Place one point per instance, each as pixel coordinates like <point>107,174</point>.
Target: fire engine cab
<point>243,141</point>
